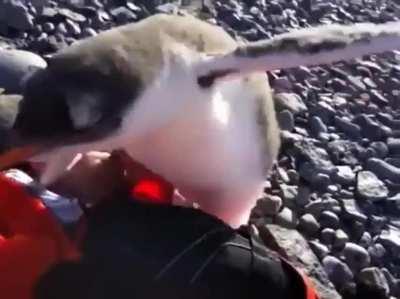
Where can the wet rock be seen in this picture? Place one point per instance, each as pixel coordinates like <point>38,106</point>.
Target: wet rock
<point>57,15</point>
<point>315,207</point>
<point>321,181</point>
<point>392,282</point>
<point>320,250</point>
<point>286,218</point>
<point>328,236</point>
<point>308,225</point>
<point>376,224</point>
<point>384,170</point>
<point>282,85</point>
<point>316,160</point>
<point>356,257</point>
<point>375,280</point>
<point>288,194</point>
<point>269,205</point>
<point>356,82</point>
<point>289,138</point>
<point>303,196</point>
<point>352,211</point>
<point>380,148</point>
<point>344,175</point>
<point>291,244</point>
<point>366,240</point>
<point>378,98</point>
<point>73,28</point>
<point>289,101</point>
<point>15,65</point>
<point>337,271</point>
<point>15,15</point>
<point>370,187</point>
<point>344,152</point>
<point>329,219</point>
<point>47,44</point>
<point>123,15</point>
<point>88,32</point>
<point>377,253</point>
<point>61,29</point>
<point>356,230</point>
<point>390,239</point>
<point>71,15</point>
<point>293,176</point>
<point>387,119</point>
<point>372,129</point>
<point>317,126</point>
<point>341,239</point>
<point>324,111</point>
<point>394,146</point>
<point>48,27</point>
<point>286,120</point>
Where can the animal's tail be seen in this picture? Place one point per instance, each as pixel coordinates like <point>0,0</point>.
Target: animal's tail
<point>305,47</point>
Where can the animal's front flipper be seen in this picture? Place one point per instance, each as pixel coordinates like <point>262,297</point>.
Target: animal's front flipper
<point>309,46</point>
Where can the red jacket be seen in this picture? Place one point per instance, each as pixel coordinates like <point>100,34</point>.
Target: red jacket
<point>32,240</point>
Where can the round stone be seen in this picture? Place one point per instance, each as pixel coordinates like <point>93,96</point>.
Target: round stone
<point>293,176</point>
<point>287,218</point>
<point>303,196</point>
<point>356,257</point>
<point>88,32</point>
<point>377,253</point>
<point>328,236</point>
<point>15,65</point>
<point>270,205</point>
<point>319,249</point>
<point>337,271</point>
<point>370,187</point>
<point>329,219</point>
<point>374,279</point>
<point>341,238</point>
<point>366,240</point>
<point>286,120</point>
<point>48,27</point>
<point>308,225</point>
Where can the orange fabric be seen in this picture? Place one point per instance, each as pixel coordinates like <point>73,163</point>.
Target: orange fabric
<point>310,292</point>
<point>309,288</point>
<point>31,241</point>
<point>153,190</point>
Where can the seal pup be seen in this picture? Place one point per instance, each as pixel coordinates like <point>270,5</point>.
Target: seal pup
<point>180,96</point>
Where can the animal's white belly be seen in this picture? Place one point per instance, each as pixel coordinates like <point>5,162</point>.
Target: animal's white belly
<point>212,144</point>
<point>211,151</point>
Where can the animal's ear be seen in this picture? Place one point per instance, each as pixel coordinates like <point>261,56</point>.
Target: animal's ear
<point>84,110</point>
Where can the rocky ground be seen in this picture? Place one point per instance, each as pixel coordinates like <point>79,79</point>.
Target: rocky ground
<point>337,180</point>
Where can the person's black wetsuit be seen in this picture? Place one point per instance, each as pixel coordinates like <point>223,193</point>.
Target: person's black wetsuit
<point>138,250</point>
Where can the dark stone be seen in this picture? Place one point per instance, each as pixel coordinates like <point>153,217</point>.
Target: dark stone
<point>15,14</point>
<point>329,219</point>
<point>383,170</point>
<point>308,225</point>
<point>338,272</point>
<point>122,15</point>
<point>294,247</point>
